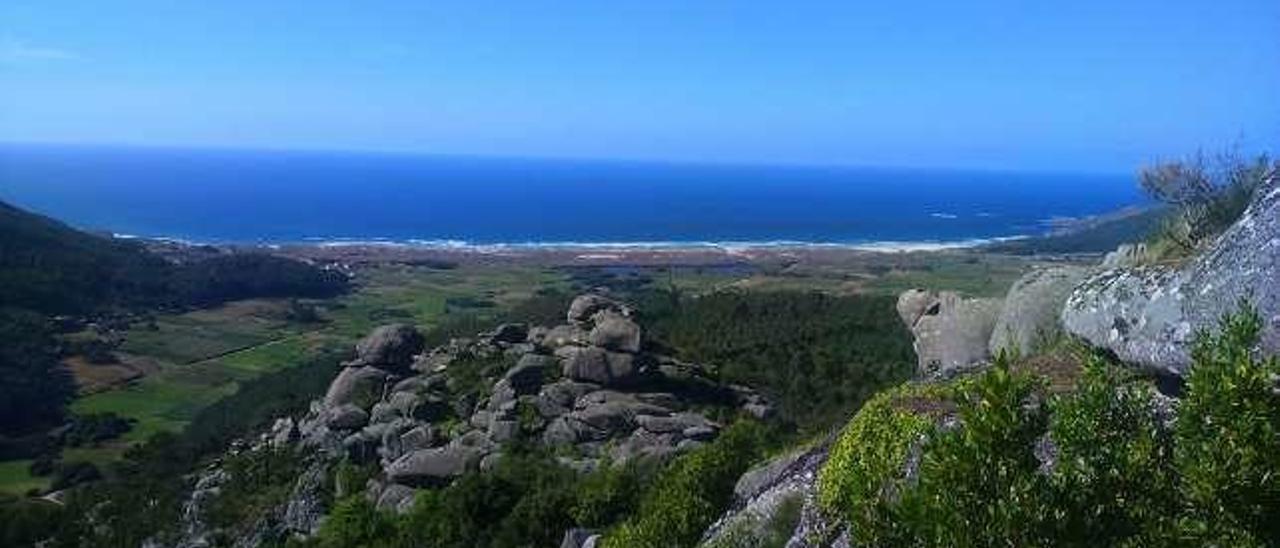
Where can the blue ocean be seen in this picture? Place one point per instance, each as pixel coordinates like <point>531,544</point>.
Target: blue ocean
<point>283,197</point>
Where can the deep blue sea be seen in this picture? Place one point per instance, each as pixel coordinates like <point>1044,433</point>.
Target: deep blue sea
<point>278,197</point>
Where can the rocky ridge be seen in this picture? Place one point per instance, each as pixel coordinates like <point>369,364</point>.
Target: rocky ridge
<point>586,388</point>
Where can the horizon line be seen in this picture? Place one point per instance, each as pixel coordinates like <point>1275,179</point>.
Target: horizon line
<point>423,153</point>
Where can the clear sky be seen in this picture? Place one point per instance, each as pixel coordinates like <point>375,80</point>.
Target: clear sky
<point>1098,85</point>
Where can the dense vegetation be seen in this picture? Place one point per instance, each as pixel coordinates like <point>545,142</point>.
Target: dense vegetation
<point>141,496</point>
<point>33,385</point>
<point>49,267</point>
<point>1110,473</point>
<point>530,500</point>
<point>816,356</point>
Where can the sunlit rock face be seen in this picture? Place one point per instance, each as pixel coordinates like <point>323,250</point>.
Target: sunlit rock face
<point>1150,315</point>
<point>952,333</point>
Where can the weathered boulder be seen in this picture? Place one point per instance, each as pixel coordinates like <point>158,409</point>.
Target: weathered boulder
<point>557,398</point>
<point>347,417</point>
<point>510,333</point>
<point>912,304</point>
<point>361,386</point>
<point>396,498</point>
<point>612,331</point>
<point>584,307</point>
<point>1032,307</point>
<point>428,467</point>
<point>952,332</point>
<point>765,475</point>
<point>561,335</point>
<point>526,376</point>
<point>390,347</point>
<point>1150,315</point>
<point>597,365</point>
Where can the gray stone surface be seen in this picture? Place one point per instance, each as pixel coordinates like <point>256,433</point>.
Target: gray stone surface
<point>347,417</point>
<point>1032,308</point>
<point>1150,315</point>
<point>615,332</point>
<point>952,333</point>
<point>597,365</point>
<point>428,467</point>
<point>584,307</point>
<point>361,386</point>
<point>390,347</point>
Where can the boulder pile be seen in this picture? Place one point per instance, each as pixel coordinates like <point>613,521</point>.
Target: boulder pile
<point>585,387</point>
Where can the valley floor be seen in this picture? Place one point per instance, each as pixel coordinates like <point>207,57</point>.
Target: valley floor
<point>171,367</point>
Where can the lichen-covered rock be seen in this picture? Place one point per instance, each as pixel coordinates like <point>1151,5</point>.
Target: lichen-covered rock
<point>614,332</point>
<point>347,417</point>
<point>584,307</point>
<point>527,375</point>
<point>396,498</point>
<point>1032,308</point>
<point>391,347</point>
<point>360,386</point>
<point>951,333</point>
<point>1150,315</point>
<point>562,335</point>
<point>597,365</point>
<point>428,467</point>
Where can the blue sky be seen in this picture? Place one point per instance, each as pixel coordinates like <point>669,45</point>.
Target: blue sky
<point>1082,85</point>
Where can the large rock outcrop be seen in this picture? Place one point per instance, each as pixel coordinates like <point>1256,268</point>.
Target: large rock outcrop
<point>1150,315</point>
<point>951,333</point>
<point>585,389</point>
<point>1031,309</point>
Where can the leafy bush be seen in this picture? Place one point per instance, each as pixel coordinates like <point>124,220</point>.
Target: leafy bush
<point>1228,435</point>
<point>1094,467</point>
<point>866,465</point>
<point>1114,478</point>
<point>689,495</point>
<point>978,482</point>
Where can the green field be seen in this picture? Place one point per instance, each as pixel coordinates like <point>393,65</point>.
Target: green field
<point>204,355</point>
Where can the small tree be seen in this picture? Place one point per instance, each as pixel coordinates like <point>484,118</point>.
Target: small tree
<point>1206,193</point>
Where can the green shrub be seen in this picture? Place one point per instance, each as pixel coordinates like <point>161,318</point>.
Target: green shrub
<point>978,482</point>
<point>1228,436</point>
<point>354,522</point>
<point>1114,479</point>
<point>1118,475</point>
<point>691,493</point>
<point>866,462</point>
<point>609,494</point>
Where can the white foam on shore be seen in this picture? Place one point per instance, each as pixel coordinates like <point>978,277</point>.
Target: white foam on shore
<point>613,250</point>
<point>601,250</point>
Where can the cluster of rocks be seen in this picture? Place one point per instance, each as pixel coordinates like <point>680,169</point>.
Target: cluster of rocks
<point>585,387</point>
<point>954,333</point>
<point>1147,315</point>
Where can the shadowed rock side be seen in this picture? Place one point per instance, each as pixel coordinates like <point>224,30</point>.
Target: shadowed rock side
<point>1150,315</point>
<point>585,388</point>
